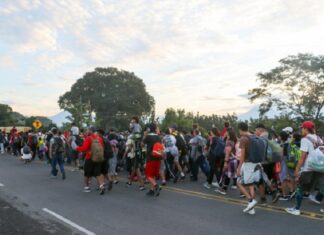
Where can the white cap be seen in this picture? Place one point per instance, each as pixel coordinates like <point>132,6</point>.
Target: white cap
<point>288,129</point>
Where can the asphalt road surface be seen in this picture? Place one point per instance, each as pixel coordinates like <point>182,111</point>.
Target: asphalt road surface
<point>33,203</point>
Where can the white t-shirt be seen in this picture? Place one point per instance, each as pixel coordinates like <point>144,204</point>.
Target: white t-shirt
<point>75,130</point>
<point>306,145</point>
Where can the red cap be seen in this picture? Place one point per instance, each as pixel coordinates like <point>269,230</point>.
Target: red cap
<point>308,125</point>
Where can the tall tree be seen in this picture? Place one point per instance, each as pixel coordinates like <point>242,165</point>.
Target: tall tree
<point>113,96</point>
<point>295,87</point>
<point>5,115</point>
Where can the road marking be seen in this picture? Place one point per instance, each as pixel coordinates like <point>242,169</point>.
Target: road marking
<point>305,214</point>
<point>233,201</point>
<point>69,222</point>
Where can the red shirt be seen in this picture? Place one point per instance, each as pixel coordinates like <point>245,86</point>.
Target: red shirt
<point>223,132</point>
<point>86,147</point>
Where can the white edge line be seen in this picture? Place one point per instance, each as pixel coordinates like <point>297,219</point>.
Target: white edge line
<point>69,222</point>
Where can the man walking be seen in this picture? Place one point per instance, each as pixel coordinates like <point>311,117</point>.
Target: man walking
<point>56,151</point>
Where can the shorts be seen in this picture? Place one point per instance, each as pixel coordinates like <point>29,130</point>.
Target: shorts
<point>112,165</point>
<point>152,169</point>
<point>248,174</point>
<point>92,169</point>
<point>104,167</point>
<point>309,180</point>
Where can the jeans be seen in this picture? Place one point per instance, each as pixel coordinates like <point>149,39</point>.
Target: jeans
<point>199,162</point>
<point>216,166</point>
<point>57,159</point>
<point>1,147</point>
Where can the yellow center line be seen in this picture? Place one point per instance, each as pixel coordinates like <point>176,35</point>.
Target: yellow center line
<point>306,214</point>
<point>228,200</point>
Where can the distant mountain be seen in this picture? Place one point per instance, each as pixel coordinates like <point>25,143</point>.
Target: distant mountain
<point>254,113</point>
<point>60,118</point>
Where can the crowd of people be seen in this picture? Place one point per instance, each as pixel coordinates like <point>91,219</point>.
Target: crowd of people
<point>286,166</point>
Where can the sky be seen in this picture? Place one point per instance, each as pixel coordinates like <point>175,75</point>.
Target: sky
<point>200,55</point>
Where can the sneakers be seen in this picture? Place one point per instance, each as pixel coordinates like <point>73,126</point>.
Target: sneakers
<point>234,187</point>
<point>250,206</point>
<point>292,195</point>
<point>207,186</point>
<point>87,190</point>
<point>215,184</point>
<point>292,211</point>
<point>63,176</point>
<point>251,212</point>
<point>263,202</point>
<point>157,190</point>
<point>102,189</point>
<point>242,195</point>
<point>322,210</point>
<point>163,182</point>
<point>284,198</point>
<point>141,188</point>
<point>275,196</point>
<point>221,191</point>
<point>313,199</point>
<point>115,182</point>
<point>128,184</point>
<point>150,193</point>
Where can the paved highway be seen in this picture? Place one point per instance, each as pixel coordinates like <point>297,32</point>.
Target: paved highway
<point>32,202</point>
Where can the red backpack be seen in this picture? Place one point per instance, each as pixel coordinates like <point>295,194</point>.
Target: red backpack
<point>158,150</point>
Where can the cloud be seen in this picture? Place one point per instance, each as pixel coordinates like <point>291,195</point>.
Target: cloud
<point>200,55</point>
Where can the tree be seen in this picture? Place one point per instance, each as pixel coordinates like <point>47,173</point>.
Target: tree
<point>295,88</point>
<point>5,115</point>
<point>113,96</point>
<point>183,120</point>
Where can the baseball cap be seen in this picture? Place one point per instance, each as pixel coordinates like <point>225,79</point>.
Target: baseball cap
<point>288,129</point>
<point>308,125</point>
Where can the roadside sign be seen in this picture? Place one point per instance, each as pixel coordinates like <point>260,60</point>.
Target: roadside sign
<point>37,124</point>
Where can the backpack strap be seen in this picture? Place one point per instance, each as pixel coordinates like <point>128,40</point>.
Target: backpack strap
<point>316,143</point>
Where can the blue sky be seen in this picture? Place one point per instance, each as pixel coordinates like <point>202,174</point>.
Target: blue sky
<point>201,55</point>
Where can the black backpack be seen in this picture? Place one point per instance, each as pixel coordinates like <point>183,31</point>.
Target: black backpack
<point>218,151</point>
<point>257,149</point>
<point>181,145</point>
<point>58,146</point>
<point>26,150</point>
<point>108,151</point>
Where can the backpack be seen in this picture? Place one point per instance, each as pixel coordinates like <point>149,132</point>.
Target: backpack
<point>97,150</point>
<point>218,150</point>
<point>34,140</point>
<point>257,149</point>
<point>58,146</point>
<point>181,145</point>
<point>108,151</point>
<point>16,140</point>
<point>274,151</point>
<point>26,150</point>
<point>315,159</point>
<point>294,154</point>
<point>158,150</point>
